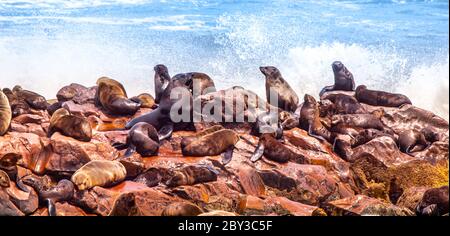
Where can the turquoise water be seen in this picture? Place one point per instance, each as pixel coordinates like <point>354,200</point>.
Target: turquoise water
<point>399,46</point>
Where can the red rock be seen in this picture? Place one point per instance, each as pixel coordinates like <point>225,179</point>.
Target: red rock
<point>362,205</point>
<point>26,202</point>
<point>293,208</point>
<point>65,209</point>
<point>251,182</point>
<point>436,153</point>
<point>85,110</point>
<point>411,197</point>
<point>7,208</point>
<point>29,118</point>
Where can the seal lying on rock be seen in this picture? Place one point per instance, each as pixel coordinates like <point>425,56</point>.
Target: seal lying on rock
<point>99,173</point>
<point>33,99</point>
<point>380,98</point>
<point>287,98</point>
<point>275,151</point>
<point>412,141</point>
<point>344,104</point>
<point>146,100</point>
<point>143,139</point>
<point>5,114</point>
<point>18,106</point>
<point>211,142</point>
<point>343,79</point>
<point>191,175</point>
<point>434,202</point>
<point>112,96</point>
<point>182,209</point>
<point>69,125</point>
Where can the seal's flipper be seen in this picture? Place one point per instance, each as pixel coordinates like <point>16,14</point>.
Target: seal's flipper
<point>326,89</point>
<point>165,132</point>
<point>431,210</point>
<point>227,156</point>
<point>131,149</point>
<point>21,185</point>
<point>259,152</point>
<point>119,146</point>
<point>51,207</point>
<point>210,168</point>
<point>310,133</point>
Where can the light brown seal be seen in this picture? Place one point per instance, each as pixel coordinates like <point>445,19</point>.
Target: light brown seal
<point>5,114</point>
<point>343,79</point>
<point>380,98</point>
<point>287,98</point>
<point>191,175</point>
<point>146,100</point>
<point>70,125</point>
<point>4,179</point>
<point>111,95</point>
<point>101,173</point>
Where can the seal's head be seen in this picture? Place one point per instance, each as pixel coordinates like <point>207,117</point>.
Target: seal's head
<point>17,88</point>
<point>360,89</point>
<point>163,73</point>
<point>337,66</point>
<point>270,71</point>
<point>4,179</point>
<point>309,99</point>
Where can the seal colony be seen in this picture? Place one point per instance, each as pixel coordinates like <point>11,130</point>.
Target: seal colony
<point>130,149</point>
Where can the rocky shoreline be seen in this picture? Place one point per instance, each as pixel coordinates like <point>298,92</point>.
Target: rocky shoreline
<point>374,178</point>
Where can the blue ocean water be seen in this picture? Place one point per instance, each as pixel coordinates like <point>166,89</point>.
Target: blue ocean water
<point>394,45</point>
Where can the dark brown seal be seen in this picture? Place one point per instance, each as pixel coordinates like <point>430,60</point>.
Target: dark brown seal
<point>412,141</point>
<point>5,114</point>
<point>197,83</point>
<point>311,122</point>
<point>276,151</point>
<point>343,79</point>
<point>182,209</point>
<point>380,98</point>
<point>191,175</point>
<point>365,121</point>
<point>111,95</point>
<point>345,104</point>
<point>161,81</point>
<point>287,98</point>
<point>69,125</point>
<point>142,138</point>
<point>434,202</point>
<point>18,106</point>
<point>33,99</point>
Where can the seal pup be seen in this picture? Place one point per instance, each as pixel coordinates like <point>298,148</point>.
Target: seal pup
<point>287,98</point>
<point>311,122</point>
<point>412,141</point>
<point>380,98</point>
<point>33,99</point>
<point>18,106</point>
<point>69,125</point>
<point>5,114</point>
<point>191,175</point>
<point>4,179</point>
<point>197,83</point>
<point>143,139</point>
<point>112,96</point>
<point>343,79</point>
<point>211,142</point>
<point>146,100</point>
<point>182,209</point>
<point>434,202</point>
<point>276,151</point>
<point>101,173</point>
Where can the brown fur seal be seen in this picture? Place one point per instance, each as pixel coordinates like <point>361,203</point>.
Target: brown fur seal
<point>18,106</point>
<point>287,98</point>
<point>112,96</point>
<point>99,173</point>
<point>143,139</point>
<point>161,81</point>
<point>276,151</point>
<point>310,120</point>
<point>380,98</point>
<point>412,141</point>
<point>5,114</point>
<point>343,79</point>
<point>365,121</point>
<point>182,209</point>
<point>146,100</point>
<point>4,179</point>
<point>191,175</point>
<point>33,99</point>
<point>189,80</point>
<point>69,125</point>
<point>211,142</point>
<point>434,202</point>
<point>344,104</point>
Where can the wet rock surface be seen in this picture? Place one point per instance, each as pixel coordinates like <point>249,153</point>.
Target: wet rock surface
<point>376,178</point>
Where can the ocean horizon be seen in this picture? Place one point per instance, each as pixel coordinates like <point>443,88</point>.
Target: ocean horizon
<point>397,46</point>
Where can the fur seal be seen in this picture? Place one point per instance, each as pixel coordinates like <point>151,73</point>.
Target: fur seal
<point>310,120</point>
<point>191,175</point>
<point>203,82</point>
<point>69,125</point>
<point>99,173</point>
<point>18,106</point>
<point>112,96</point>
<point>143,139</point>
<point>434,202</point>
<point>5,114</point>
<point>182,209</point>
<point>33,99</point>
<point>275,151</point>
<point>380,98</point>
<point>344,104</point>
<point>287,98</point>
<point>146,100</point>
<point>211,142</point>
<point>343,79</point>
<point>4,179</point>
<point>161,81</point>
<point>365,121</point>
<point>412,141</point>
